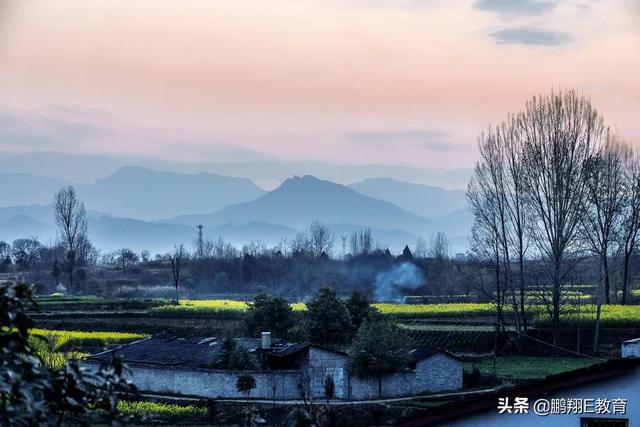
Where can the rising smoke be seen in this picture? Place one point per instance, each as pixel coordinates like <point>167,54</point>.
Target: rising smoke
<point>390,284</point>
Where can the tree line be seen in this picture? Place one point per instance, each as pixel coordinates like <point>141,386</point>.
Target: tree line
<point>553,186</point>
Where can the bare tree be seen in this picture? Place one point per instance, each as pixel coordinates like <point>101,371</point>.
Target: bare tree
<point>71,219</point>
<point>176,258</point>
<point>26,252</point>
<point>322,239</point>
<point>630,221</point>
<point>604,202</point>
<point>486,238</point>
<point>561,133</point>
<point>439,246</point>
<point>421,249</point>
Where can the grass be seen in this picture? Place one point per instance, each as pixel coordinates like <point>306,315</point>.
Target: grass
<point>528,368</point>
<point>163,409</point>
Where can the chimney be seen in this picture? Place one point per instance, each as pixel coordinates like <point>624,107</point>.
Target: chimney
<point>266,340</point>
<point>631,348</point>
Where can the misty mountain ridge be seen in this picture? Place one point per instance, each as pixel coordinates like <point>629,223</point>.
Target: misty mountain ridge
<point>298,201</point>
<point>267,173</point>
<point>425,200</point>
<point>142,193</point>
<point>302,200</point>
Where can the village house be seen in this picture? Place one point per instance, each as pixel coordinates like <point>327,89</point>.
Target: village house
<point>602,395</point>
<point>284,370</point>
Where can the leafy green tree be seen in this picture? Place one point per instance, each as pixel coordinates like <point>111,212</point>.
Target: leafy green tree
<point>328,320</point>
<point>233,357</point>
<point>267,313</point>
<point>359,309</point>
<point>380,347</point>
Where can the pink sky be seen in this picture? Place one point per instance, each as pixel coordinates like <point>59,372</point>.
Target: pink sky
<point>351,81</point>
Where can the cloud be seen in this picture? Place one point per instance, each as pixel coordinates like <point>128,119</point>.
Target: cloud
<point>43,132</point>
<point>217,152</point>
<point>429,139</point>
<point>516,7</point>
<point>81,111</point>
<point>530,37</point>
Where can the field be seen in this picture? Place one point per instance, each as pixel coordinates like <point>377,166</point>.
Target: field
<point>612,315</point>
<point>230,307</point>
<point>56,346</point>
<point>528,368</point>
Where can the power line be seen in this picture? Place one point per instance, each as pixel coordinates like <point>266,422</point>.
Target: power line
<point>555,346</point>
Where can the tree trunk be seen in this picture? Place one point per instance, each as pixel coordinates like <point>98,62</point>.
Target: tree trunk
<point>555,317</point>
<point>625,276</point>
<point>605,265</point>
<point>601,288</point>
<point>522,292</point>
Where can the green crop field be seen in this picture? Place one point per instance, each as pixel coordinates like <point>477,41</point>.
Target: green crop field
<point>528,368</point>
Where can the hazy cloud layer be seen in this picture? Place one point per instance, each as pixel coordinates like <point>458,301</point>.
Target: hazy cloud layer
<point>428,139</point>
<point>40,132</point>
<point>524,7</point>
<point>219,152</point>
<point>530,36</point>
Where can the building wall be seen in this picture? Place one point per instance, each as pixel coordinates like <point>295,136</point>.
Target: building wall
<point>438,373</point>
<point>631,348</point>
<point>320,364</point>
<point>435,374</point>
<point>625,387</point>
<point>214,384</point>
<point>389,385</point>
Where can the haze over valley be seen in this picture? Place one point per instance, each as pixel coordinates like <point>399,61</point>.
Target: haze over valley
<point>146,208</point>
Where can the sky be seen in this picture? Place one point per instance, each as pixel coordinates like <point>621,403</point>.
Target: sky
<point>406,82</point>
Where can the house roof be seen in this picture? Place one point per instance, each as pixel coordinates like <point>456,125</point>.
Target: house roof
<point>287,349</point>
<point>424,352</point>
<point>196,352</point>
<point>550,384</point>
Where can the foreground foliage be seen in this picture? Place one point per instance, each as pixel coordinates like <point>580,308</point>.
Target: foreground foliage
<point>32,394</point>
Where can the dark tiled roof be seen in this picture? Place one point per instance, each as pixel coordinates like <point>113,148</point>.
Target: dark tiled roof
<point>550,384</point>
<point>197,352</point>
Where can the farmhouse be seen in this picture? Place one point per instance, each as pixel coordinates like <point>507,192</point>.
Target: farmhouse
<point>285,370</point>
<point>601,395</point>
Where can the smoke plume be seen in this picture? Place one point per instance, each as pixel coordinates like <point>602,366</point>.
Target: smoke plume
<point>390,284</point>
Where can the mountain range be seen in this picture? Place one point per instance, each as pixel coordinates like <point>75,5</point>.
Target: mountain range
<point>151,195</point>
<point>144,209</point>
